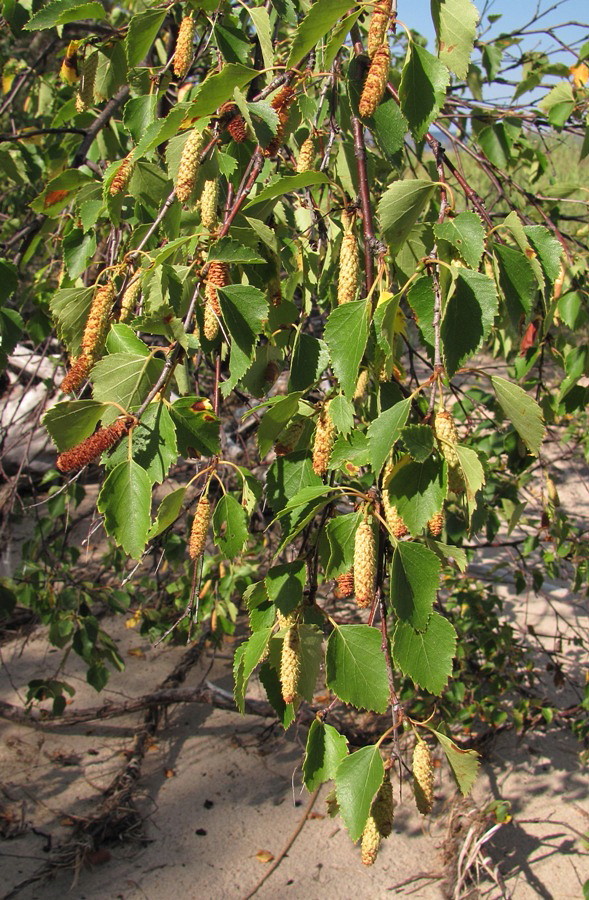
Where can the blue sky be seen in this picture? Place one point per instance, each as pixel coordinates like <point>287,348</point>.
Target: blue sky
<point>514,14</point>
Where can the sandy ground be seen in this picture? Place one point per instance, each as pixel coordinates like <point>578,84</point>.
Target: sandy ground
<point>218,789</point>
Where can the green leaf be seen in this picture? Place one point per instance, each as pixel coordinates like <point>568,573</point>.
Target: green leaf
<point>143,30</point>
<point>78,249</point>
<point>310,358</point>
<point>271,682</point>
<point>419,440</point>
<point>8,278</point>
<point>70,422</point>
<point>389,127</point>
<point>474,475</point>
<point>355,667</point>
<point>464,763</point>
<point>384,431</point>
<point>426,656</point>
<point>338,37</point>
<point>139,114</point>
<point>422,91</point>
<point>558,103</point>
<point>468,317</point>
<point>61,12</point>
<point>466,234</point>
<point>125,502</point>
<point>275,419</point>
<point>517,279</point>
<point>284,585</point>
<point>522,411</point>
<point>229,251</point>
<point>400,207</point>
<point>325,749</point>
<point>70,308</point>
<point>246,658</point>
<point>261,20</point>
<point>244,308</point>
<point>197,431</point>
<point>548,248</point>
<point>230,526</point>
<point>123,339</point>
<point>261,611</point>
<point>319,20</point>
<point>346,333</point>
<point>168,512</point>
<point>125,378</point>
<point>415,577</point>
<point>218,88</point>
<point>340,533</point>
<point>311,655</point>
<point>420,298</point>
<point>418,491</point>
<point>357,780</point>
<point>153,443</point>
<point>287,184</point>
<point>455,22</point>
<point>341,413</point>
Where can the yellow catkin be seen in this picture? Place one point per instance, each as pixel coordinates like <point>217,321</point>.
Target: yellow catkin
<point>391,514</point>
<point>436,524</point>
<point>200,527</point>
<point>306,155</point>
<point>210,324</point>
<point>217,276</point>
<point>323,443</point>
<point>209,200</point>
<point>344,585</point>
<point>378,27</point>
<point>376,81</point>
<point>290,664</point>
<point>364,564</point>
<point>370,842</point>
<point>423,778</point>
<point>348,269</point>
<point>85,95</point>
<point>189,164</point>
<point>184,47</point>
<point>447,438</point>
<point>361,385</point>
<point>122,175</point>
<point>97,323</point>
<point>285,621</point>
<point>383,807</point>
<point>129,301</point>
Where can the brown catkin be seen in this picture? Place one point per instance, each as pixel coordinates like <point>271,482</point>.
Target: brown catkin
<point>217,276</point>
<point>348,269</point>
<point>323,443</point>
<point>237,128</point>
<point>209,200</point>
<point>184,47</point>
<point>306,155</point>
<point>344,585</point>
<point>91,448</point>
<point>435,524</point>
<point>364,564</point>
<point>85,95</point>
<point>210,323</point>
<point>122,175</point>
<point>290,664</point>
<point>96,325</point>
<point>77,375</point>
<point>376,81</point>
<point>200,527</point>
<point>378,26</point>
<point>129,301</point>
<point>281,103</point>
<point>189,164</point>
<point>423,778</point>
<point>383,807</point>
<point>370,842</point>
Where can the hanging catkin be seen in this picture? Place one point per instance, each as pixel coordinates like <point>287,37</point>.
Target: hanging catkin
<point>391,514</point>
<point>200,527</point>
<point>423,778</point>
<point>209,200</point>
<point>92,339</point>
<point>92,447</point>
<point>447,438</point>
<point>217,276</point>
<point>129,301</point>
<point>376,81</point>
<point>323,443</point>
<point>383,807</point>
<point>280,103</point>
<point>370,842</point>
<point>290,664</point>
<point>364,564</point>
<point>231,119</point>
<point>122,175</point>
<point>344,585</point>
<point>184,47</point>
<point>210,323</point>
<point>189,165</point>
<point>378,26</point>
<point>306,155</point>
<point>77,375</point>
<point>348,269</point>
<point>436,524</point>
